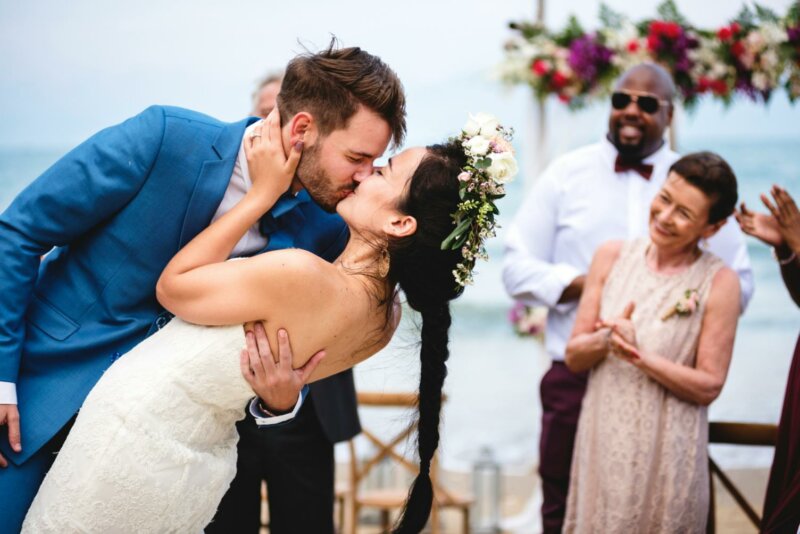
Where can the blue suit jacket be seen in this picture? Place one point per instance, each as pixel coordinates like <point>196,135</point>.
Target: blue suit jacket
<point>116,209</point>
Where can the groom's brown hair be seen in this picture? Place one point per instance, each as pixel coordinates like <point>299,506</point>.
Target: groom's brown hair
<point>333,83</point>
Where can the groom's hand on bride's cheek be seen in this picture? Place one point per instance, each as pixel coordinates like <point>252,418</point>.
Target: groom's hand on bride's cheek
<point>276,383</point>
<point>9,415</point>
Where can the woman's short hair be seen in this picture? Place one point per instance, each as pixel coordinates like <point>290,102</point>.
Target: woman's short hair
<point>713,176</point>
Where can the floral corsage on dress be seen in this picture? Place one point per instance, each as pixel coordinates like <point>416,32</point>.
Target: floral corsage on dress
<point>685,306</point>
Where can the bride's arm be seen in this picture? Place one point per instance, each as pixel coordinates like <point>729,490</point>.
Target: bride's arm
<point>193,271</point>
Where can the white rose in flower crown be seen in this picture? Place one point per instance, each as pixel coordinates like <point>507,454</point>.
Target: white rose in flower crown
<point>482,123</point>
<point>503,167</point>
<point>477,146</point>
<point>471,127</point>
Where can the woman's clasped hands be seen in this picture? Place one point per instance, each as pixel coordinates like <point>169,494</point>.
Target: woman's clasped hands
<point>621,335</point>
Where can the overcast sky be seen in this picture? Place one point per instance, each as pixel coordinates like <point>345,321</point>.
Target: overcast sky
<point>70,68</point>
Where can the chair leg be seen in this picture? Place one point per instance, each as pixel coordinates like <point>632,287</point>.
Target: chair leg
<point>340,515</point>
<point>466,520</point>
<point>385,520</point>
<point>711,526</point>
<point>354,509</point>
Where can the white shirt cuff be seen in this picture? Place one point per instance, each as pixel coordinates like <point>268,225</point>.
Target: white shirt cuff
<point>8,393</point>
<point>267,419</point>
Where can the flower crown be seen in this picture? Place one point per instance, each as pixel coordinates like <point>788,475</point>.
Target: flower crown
<point>490,164</point>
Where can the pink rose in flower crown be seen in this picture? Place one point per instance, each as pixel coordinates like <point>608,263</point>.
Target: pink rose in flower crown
<point>500,144</point>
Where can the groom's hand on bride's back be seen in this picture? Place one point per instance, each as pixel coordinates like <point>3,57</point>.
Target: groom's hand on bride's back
<point>9,415</point>
<point>275,382</point>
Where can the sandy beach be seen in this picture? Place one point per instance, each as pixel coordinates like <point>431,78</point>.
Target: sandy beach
<point>517,490</point>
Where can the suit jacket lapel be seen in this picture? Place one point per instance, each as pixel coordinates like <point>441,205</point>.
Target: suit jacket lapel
<point>213,180</point>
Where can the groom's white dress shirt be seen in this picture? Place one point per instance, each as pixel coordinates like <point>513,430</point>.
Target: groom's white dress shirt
<point>577,204</point>
<point>250,243</point>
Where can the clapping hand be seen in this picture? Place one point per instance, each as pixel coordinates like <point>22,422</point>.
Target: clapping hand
<point>782,227</point>
<point>759,225</point>
<point>622,335</point>
<point>786,213</point>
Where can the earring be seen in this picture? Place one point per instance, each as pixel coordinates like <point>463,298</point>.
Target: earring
<point>383,263</point>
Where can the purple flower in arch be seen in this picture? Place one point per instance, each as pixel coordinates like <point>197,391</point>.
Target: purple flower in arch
<point>588,58</point>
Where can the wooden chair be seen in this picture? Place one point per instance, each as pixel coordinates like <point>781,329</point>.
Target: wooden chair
<point>735,434</point>
<point>341,496</point>
<point>386,499</point>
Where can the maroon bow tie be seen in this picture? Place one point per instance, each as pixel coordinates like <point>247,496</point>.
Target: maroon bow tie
<point>644,169</point>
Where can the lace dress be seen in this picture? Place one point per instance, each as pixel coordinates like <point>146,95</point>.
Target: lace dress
<point>640,462</point>
<point>154,446</point>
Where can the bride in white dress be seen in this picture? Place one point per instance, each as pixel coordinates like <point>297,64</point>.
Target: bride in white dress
<point>154,446</point>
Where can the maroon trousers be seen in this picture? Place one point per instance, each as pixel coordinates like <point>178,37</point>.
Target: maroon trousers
<point>562,393</point>
<point>782,503</point>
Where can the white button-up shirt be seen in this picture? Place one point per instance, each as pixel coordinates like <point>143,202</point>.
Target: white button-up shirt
<point>577,204</point>
<point>239,185</point>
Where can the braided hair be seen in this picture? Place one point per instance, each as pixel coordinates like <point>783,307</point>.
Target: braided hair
<point>424,272</point>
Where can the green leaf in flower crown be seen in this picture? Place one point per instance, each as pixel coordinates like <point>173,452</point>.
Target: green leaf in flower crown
<point>460,240</point>
<point>483,163</point>
<point>461,192</point>
<point>455,239</point>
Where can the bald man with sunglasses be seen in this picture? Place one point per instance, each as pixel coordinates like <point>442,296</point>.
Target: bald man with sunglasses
<point>584,198</point>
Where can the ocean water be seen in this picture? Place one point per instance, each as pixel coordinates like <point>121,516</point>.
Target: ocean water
<point>494,375</point>
<point>493,379</point>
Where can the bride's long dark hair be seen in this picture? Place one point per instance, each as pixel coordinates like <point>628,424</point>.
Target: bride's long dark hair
<point>424,272</point>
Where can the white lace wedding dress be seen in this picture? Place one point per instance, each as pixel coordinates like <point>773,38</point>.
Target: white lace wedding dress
<point>154,446</point>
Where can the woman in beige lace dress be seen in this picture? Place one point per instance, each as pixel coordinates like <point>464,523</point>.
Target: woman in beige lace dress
<point>655,326</point>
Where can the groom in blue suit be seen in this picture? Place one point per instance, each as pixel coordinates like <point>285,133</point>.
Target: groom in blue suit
<point>111,213</point>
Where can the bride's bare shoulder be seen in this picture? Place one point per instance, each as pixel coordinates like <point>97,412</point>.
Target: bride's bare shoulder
<point>296,272</point>
<point>294,262</point>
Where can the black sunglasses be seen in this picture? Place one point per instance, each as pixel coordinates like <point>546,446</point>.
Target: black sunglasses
<point>648,104</point>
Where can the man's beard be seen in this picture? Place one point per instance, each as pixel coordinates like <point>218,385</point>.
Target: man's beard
<point>316,181</point>
<point>627,151</point>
